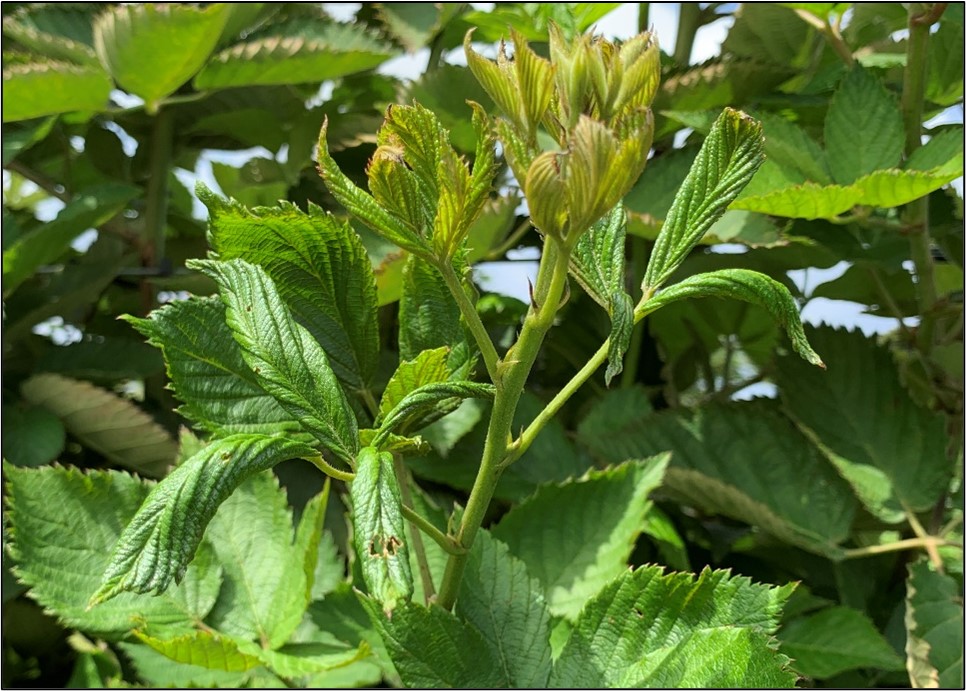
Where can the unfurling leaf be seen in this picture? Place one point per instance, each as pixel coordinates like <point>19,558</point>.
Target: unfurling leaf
<point>428,403</point>
<point>379,535</point>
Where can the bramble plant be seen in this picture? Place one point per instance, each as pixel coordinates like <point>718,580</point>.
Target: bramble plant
<point>202,578</point>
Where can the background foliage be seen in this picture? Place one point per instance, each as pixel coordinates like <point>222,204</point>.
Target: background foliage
<point>848,482</point>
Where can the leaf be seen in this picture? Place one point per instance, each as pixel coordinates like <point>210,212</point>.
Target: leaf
<point>428,367</point>
<point>429,317</point>
<point>769,32</point>
<point>808,200</point>
<point>36,89</point>
<point>888,188</point>
<point>204,649</point>
<point>944,67</point>
<point>430,402</point>
<point>32,436</point>
<point>379,532</point>
<point>111,425</point>
<point>156,547</point>
<point>835,640</point>
<point>413,24</point>
<point>941,150</point>
<point>728,159</point>
<point>62,526</point>
<point>889,449</point>
<point>863,128</point>
<point>105,360</point>
<point>792,148</point>
<point>431,648</point>
<point>500,600</point>
<point>296,660</point>
<point>290,364</point>
<point>91,207</point>
<point>220,392</point>
<point>156,670</point>
<point>302,51</point>
<point>647,629</point>
<point>934,628</point>
<point>749,286</point>
<point>21,29</point>
<point>308,540</point>
<point>151,50</point>
<point>788,490</point>
<point>320,269</point>
<point>574,556</point>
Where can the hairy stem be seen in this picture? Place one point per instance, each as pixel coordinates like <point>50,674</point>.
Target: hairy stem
<point>473,322</point>
<point>402,477</point>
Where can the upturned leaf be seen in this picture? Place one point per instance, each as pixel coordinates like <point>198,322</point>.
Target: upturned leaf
<point>429,367</point>
<point>428,403</point>
<point>321,271</point>
<point>290,364</point>
<point>749,286</point>
<point>648,629</point>
<point>729,157</point>
<point>934,628</point>
<point>161,539</point>
<point>378,529</point>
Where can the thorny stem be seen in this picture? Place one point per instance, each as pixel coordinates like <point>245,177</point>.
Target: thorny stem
<point>402,477</point>
<point>473,321</point>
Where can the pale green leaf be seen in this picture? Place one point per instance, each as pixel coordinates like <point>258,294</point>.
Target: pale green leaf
<point>151,50</point>
<point>204,649</point>
<point>162,538</point>
<point>863,128</point>
<point>648,629</point>
<point>299,660</point>
<point>428,403</point>
<point>32,90</point>
<point>320,269</point>
<point>159,671</point>
<point>728,159</point>
<point>309,538</point>
<point>934,628</point>
<point>742,460</point>
<point>32,435</point>
<point>941,150</point>
<point>290,364</point>
<point>888,188</point>
<point>378,529</point>
<point>499,598</point>
<point>808,201</point>
<point>109,424</point>
<point>835,640</point>
<point>220,392</point>
<point>61,548</point>
<point>575,537</point>
<point>749,286</point>
<point>429,367</point>
<point>889,449</point>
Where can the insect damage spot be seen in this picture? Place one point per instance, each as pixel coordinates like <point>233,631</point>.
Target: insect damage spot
<point>381,547</point>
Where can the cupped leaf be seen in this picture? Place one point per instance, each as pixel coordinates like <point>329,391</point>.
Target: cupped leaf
<point>320,269</point>
<point>220,392</point>
<point>35,89</point>
<point>648,629</point>
<point>61,547</point>
<point>571,555</point>
<point>430,402</point>
<point>109,424</point>
<point>151,50</point>
<point>290,364</point>
<point>379,531</point>
<point>749,286</point>
<point>934,628</point>
<point>729,157</point>
<point>161,539</point>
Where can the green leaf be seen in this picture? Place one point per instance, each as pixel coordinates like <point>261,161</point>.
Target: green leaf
<point>808,200</point>
<point>105,360</point>
<point>430,402</point>
<point>156,670</point>
<point>728,159</point>
<point>301,51</point>
<point>296,660</point>
<point>788,491</point>
<point>32,435</point>
<point>941,150</point>
<point>91,207</point>
<point>151,50</point>
<point>749,286</point>
<point>934,628</point>
<point>835,640</point>
<point>320,269</point>
<point>413,24</point>
<point>500,600</point>
<point>162,538</point>
<point>290,364</point>
<point>792,148</point>
<point>863,128</point>
<point>944,67</point>
<point>647,629</point>
<point>888,188</point>
<point>379,532</point>
<point>431,648</point>
<point>204,649</point>
<point>105,422</point>
<point>889,449</point>
<point>35,89</point>
<point>429,367</point>
<point>571,556</point>
<point>429,317</point>
<point>769,32</point>
<point>21,29</point>
<point>220,392</point>
<point>62,526</point>
<point>308,540</point>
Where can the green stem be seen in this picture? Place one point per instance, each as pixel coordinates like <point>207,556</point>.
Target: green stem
<point>921,533</point>
<point>438,536</point>
<point>514,371</point>
<point>689,21</point>
<point>156,203</point>
<point>402,477</point>
<point>643,16</point>
<point>898,546</point>
<point>330,470</point>
<point>831,34</point>
<point>639,257</point>
<point>473,321</point>
<point>512,240</point>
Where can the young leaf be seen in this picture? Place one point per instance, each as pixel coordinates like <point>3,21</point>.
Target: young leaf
<point>321,271</point>
<point>749,286</point>
<point>99,505</point>
<point>428,403</point>
<point>647,629</point>
<point>49,88</point>
<point>379,532</point>
<point>934,628</point>
<point>728,159</point>
<point>156,547</point>
<point>429,367</point>
<point>573,557</point>
<point>290,364</point>
<point>500,599</point>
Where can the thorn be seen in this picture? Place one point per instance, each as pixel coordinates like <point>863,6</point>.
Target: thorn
<point>533,300</point>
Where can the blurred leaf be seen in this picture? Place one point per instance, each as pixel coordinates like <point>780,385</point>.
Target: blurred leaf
<point>102,360</point>
<point>48,88</point>
<point>944,68</point>
<point>768,31</point>
<point>531,20</point>
<point>32,436</point>
<point>934,626</point>
<point>413,24</point>
<point>19,28</point>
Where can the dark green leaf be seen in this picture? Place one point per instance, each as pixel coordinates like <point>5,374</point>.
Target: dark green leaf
<point>428,314</point>
<point>32,436</point>
<point>934,626</point>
